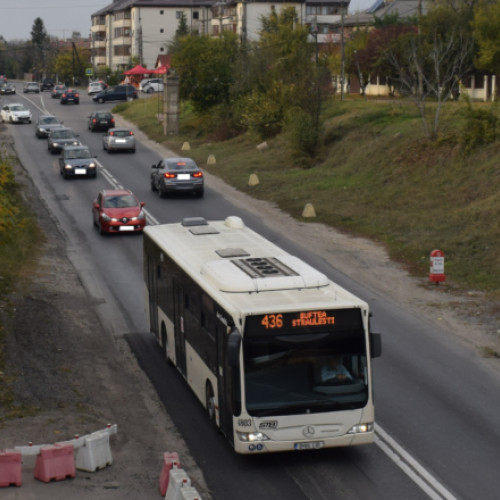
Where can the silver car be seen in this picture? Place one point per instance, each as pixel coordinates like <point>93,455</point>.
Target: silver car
<point>119,139</point>
<point>177,175</point>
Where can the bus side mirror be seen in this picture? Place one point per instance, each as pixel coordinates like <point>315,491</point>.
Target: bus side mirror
<point>233,348</point>
<point>375,345</point>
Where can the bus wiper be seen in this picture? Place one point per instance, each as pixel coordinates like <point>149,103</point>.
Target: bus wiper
<point>303,407</point>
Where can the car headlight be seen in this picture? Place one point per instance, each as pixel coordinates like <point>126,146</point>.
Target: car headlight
<point>361,428</point>
<point>140,216</point>
<point>105,216</point>
<point>56,144</point>
<point>68,166</point>
<point>252,437</point>
<point>92,164</point>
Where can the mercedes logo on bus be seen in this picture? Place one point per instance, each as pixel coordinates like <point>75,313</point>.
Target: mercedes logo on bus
<point>308,431</point>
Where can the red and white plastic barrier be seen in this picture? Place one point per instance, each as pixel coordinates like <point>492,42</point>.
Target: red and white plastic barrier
<point>169,460</point>
<point>57,461</point>
<point>10,468</point>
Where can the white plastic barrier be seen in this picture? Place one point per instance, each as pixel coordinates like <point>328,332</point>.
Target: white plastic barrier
<point>189,493</point>
<point>77,442</point>
<point>95,454</point>
<point>178,479</point>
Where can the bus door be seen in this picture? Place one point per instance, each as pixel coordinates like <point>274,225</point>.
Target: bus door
<point>153,271</point>
<point>224,385</point>
<point>180,336</point>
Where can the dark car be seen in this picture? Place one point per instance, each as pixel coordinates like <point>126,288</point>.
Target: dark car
<point>177,175</point>
<point>101,120</point>
<point>70,95</point>
<point>45,124</point>
<point>61,137</point>
<point>7,88</point>
<point>116,93</point>
<point>118,210</point>
<point>57,91</point>
<point>31,87</point>
<point>47,84</point>
<point>77,161</point>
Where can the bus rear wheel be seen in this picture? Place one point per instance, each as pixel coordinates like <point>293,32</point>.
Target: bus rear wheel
<point>210,402</point>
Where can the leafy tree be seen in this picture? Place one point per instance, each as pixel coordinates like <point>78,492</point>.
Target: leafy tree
<point>205,67</point>
<point>486,25</point>
<point>70,64</point>
<point>283,74</point>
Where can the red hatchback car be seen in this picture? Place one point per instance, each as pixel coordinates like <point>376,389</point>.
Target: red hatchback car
<point>117,211</point>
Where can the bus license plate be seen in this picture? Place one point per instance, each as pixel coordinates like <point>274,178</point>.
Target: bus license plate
<point>310,445</point>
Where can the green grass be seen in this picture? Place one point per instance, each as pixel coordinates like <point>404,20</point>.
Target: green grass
<point>20,242</point>
<point>376,175</point>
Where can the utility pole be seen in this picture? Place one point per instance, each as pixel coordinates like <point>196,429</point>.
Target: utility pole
<point>342,53</point>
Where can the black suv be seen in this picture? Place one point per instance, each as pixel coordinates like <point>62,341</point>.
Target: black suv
<point>116,93</point>
<point>47,84</point>
<point>101,120</point>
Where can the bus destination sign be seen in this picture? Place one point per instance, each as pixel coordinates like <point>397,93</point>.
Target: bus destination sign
<point>305,321</point>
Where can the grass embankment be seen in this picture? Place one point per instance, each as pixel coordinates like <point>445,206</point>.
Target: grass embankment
<point>20,242</point>
<point>376,175</point>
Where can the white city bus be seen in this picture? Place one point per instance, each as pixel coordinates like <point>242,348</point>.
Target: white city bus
<point>251,328</point>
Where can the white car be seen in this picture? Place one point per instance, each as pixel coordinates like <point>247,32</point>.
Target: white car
<point>95,87</point>
<point>151,85</point>
<point>15,113</point>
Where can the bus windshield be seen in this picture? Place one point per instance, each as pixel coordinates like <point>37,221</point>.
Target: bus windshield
<point>290,373</point>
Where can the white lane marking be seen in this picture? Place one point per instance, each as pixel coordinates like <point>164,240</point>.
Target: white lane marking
<point>416,472</point>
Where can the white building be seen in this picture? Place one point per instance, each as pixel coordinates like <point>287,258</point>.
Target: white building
<point>143,28</point>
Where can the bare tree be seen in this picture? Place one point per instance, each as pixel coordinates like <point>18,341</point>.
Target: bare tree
<point>431,62</point>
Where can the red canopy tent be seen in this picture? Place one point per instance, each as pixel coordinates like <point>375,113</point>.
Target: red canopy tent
<point>138,70</point>
<point>161,70</point>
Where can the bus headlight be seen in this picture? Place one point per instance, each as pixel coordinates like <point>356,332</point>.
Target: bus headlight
<point>361,428</point>
<point>252,437</point>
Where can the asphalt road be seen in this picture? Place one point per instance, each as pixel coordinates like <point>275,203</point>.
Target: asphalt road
<point>437,404</point>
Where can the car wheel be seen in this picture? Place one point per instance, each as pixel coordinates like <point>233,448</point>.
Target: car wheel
<point>100,100</point>
<point>101,230</point>
<point>153,185</point>
<point>132,150</point>
<point>150,90</point>
<point>199,194</point>
<point>130,98</point>
<point>10,119</point>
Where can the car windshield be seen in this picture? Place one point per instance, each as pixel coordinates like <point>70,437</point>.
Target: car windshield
<point>18,108</point>
<point>120,133</point>
<point>48,120</point>
<point>62,134</point>
<point>120,201</point>
<point>77,153</point>
<point>103,116</point>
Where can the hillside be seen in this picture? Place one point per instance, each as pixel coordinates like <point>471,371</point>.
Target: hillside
<point>376,175</point>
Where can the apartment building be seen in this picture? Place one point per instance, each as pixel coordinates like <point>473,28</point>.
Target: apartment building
<point>143,28</point>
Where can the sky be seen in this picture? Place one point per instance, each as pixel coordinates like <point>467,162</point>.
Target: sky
<point>62,17</point>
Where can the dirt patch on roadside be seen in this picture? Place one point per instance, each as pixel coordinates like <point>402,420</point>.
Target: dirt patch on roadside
<point>76,379</point>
